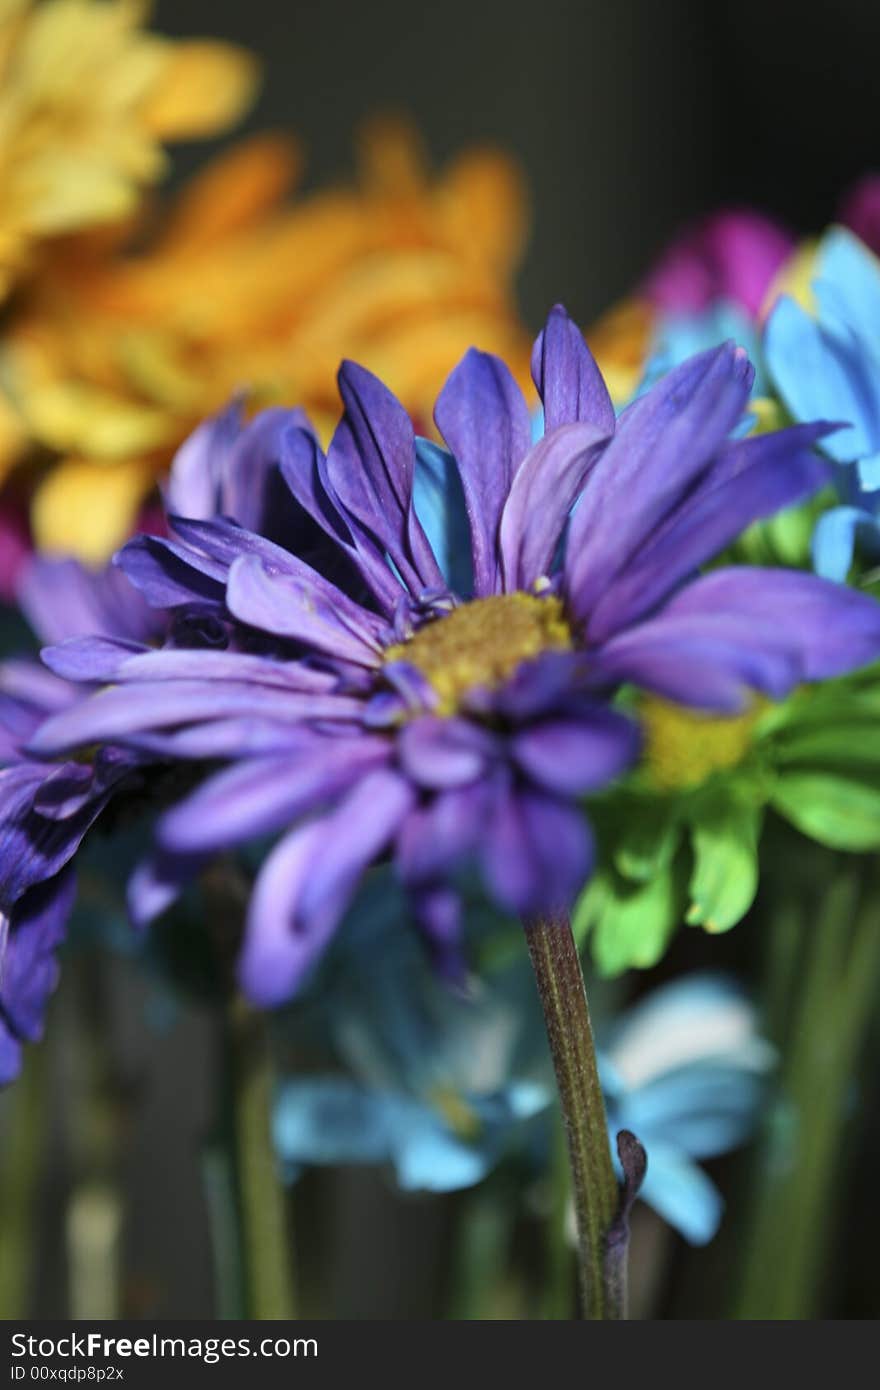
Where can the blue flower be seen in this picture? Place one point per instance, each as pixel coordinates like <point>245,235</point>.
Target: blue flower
<point>439,1084</point>
<point>676,336</point>
<point>443,1087</point>
<point>685,1070</point>
<point>829,363</point>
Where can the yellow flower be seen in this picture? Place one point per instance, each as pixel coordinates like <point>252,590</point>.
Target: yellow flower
<point>86,99</point>
<point>112,356</point>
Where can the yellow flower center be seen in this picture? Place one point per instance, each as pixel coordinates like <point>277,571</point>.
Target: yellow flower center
<point>683,747</point>
<point>458,1115</point>
<point>481,644</point>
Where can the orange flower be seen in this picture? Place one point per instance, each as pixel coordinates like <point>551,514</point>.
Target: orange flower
<point>114,354</point>
<point>86,99</point>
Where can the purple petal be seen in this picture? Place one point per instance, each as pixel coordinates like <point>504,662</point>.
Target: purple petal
<point>181,664</point>
<point>34,848</point>
<point>831,629</point>
<point>379,493</point>
<point>439,836</point>
<point>28,683</point>
<point>439,918</point>
<point>65,791</point>
<point>293,607</point>
<point>546,487</point>
<point>540,687</point>
<point>664,441</point>
<point>567,377</point>
<point>574,756</point>
<point>62,598</point>
<point>263,795</point>
<point>157,883</point>
<point>168,574</point>
<point>132,709</point>
<point>193,487</point>
<point>441,753</point>
<point>483,417</point>
<point>305,471</point>
<point>30,970</point>
<point>707,662</point>
<point>245,736</point>
<point>753,478</point>
<point>308,881</point>
<point>253,461</point>
<point>537,853</point>
<point>225,542</point>
<point>89,658</point>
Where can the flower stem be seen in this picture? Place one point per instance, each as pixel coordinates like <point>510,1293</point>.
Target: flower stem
<point>559,1282</point>
<point>265,1245</point>
<point>802,1169</point>
<point>24,1114</point>
<point>560,983</point>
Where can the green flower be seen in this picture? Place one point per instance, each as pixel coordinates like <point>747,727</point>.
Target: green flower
<point>679,841</point>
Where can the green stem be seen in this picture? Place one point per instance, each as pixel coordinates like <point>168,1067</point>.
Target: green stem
<point>265,1244</point>
<point>799,1172</point>
<point>560,984</point>
<point>25,1115</point>
<point>558,1296</point>
<point>484,1285</point>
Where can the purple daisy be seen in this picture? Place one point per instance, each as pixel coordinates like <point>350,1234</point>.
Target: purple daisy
<point>47,808</point>
<point>367,706</point>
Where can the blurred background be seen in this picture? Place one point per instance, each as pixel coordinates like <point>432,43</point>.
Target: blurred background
<point>628,118</point>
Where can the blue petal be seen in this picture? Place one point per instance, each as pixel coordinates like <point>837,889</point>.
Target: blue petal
<point>847,285</point>
<point>427,1156</point>
<point>438,499</point>
<point>834,540</point>
<point>328,1119</point>
<point>681,1193</point>
<point>821,375</point>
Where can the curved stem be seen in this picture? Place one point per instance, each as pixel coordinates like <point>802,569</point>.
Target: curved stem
<point>560,983</point>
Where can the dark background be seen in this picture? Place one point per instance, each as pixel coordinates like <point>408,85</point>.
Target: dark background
<point>628,117</point>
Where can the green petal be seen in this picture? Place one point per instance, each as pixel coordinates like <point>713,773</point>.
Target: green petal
<point>840,811</point>
<point>631,926</point>
<point>649,840</point>
<point>725,874</point>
